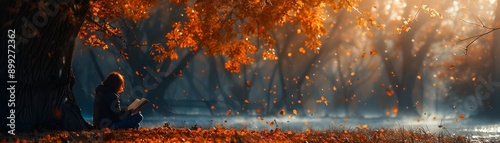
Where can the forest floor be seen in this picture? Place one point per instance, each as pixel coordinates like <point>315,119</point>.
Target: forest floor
<point>282,129</point>
<point>168,133</point>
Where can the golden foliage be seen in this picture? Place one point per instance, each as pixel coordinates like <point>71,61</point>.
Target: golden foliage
<point>97,26</point>
<point>228,28</point>
<point>130,9</point>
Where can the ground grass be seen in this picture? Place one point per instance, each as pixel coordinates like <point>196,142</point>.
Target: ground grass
<point>168,133</point>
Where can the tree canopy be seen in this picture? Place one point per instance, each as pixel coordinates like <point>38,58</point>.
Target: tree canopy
<point>234,29</point>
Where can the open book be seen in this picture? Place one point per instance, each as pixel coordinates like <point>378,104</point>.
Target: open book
<point>137,104</point>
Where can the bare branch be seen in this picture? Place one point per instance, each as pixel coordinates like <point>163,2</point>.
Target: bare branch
<point>106,30</point>
<point>476,37</point>
<point>477,17</point>
<point>356,9</point>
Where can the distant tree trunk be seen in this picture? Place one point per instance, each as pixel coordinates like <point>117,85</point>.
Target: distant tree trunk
<point>492,105</point>
<point>45,38</point>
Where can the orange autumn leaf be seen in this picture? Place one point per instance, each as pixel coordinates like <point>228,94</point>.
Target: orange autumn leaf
<point>302,50</point>
<point>248,84</point>
<point>389,92</point>
<point>282,112</point>
<point>395,110</point>
<point>461,116</point>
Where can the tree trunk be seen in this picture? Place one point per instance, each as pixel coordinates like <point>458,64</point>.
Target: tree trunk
<point>492,106</point>
<point>496,66</point>
<point>45,40</point>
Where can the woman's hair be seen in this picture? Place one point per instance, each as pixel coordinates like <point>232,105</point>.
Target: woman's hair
<point>115,81</point>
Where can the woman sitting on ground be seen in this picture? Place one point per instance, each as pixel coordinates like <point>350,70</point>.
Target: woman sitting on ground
<point>107,110</point>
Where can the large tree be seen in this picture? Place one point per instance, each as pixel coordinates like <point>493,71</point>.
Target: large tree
<point>45,34</point>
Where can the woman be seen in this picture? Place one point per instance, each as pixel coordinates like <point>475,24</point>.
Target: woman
<point>107,110</point>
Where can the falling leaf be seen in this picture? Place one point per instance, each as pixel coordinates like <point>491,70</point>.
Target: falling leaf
<point>395,110</point>
<point>246,101</point>
<point>353,73</point>
<point>248,83</point>
<point>307,77</point>
<point>294,112</point>
<point>373,52</point>
<point>302,50</point>
<point>389,92</point>
<point>334,88</point>
<point>282,112</point>
<point>212,107</point>
<point>228,112</point>
<point>257,110</point>
<point>363,55</point>
<point>262,29</point>
<point>461,116</point>
<point>452,67</point>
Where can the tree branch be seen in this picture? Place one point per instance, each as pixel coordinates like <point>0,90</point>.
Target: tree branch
<point>476,37</point>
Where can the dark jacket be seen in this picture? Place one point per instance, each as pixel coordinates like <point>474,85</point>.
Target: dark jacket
<point>107,108</point>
